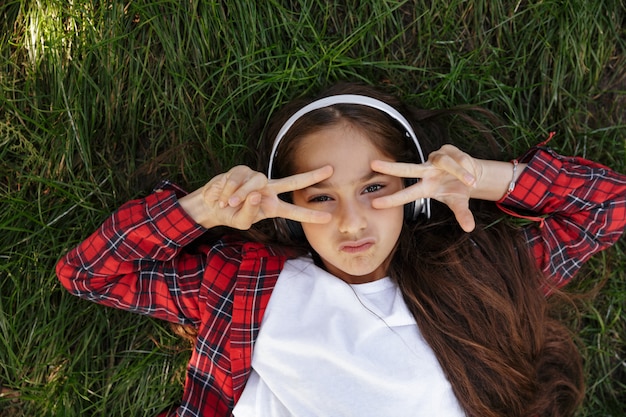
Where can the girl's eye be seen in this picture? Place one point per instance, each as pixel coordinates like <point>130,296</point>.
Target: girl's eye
<point>373,188</point>
<point>319,199</point>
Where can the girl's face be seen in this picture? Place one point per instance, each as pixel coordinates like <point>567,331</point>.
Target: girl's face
<point>356,245</point>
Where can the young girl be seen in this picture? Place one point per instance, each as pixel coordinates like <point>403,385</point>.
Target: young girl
<point>361,279</point>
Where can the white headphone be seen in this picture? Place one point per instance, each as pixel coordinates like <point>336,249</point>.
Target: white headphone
<point>413,209</point>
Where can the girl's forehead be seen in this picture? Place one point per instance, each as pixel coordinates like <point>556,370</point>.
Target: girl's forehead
<point>343,147</point>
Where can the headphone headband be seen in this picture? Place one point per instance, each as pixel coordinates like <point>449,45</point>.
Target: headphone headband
<point>421,205</point>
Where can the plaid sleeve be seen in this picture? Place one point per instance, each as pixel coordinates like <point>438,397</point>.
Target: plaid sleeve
<point>580,207</point>
<point>135,261</point>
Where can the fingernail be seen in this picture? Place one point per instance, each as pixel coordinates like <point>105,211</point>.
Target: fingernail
<point>221,204</point>
<point>234,201</point>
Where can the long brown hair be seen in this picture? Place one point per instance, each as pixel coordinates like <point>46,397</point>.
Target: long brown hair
<point>476,297</point>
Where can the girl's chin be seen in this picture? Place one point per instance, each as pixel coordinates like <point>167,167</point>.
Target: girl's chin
<point>357,275</point>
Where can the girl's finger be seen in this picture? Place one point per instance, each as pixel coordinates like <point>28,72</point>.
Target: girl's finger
<point>401,169</point>
<point>462,213</point>
<point>448,159</point>
<point>400,198</point>
<point>466,220</point>
<point>301,214</point>
<point>212,190</point>
<point>239,184</point>
<point>300,181</point>
<point>231,181</point>
<point>247,212</point>
<point>454,161</point>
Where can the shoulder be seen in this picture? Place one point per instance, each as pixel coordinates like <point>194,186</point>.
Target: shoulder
<point>235,247</point>
<point>231,257</point>
<point>231,246</point>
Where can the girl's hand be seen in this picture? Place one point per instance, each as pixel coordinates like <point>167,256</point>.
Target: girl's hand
<point>242,197</point>
<point>449,176</point>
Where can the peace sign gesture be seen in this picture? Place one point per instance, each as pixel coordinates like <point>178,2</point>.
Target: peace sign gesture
<point>452,177</point>
<point>242,197</point>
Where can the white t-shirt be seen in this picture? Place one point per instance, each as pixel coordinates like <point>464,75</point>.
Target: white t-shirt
<point>328,348</point>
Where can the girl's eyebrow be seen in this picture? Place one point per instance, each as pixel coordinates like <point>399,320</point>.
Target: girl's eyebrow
<point>327,183</point>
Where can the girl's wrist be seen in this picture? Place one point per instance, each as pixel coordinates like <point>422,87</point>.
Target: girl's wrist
<point>497,179</point>
<point>195,206</point>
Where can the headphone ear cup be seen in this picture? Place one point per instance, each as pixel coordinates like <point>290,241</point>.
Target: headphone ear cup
<point>411,211</point>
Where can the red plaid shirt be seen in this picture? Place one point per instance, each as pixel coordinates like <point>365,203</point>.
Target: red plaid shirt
<point>136,262</point>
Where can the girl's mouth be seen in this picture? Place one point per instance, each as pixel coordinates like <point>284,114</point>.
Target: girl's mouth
<point>356,246</point>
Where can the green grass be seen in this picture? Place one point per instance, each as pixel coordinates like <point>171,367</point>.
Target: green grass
<point>99,100</point>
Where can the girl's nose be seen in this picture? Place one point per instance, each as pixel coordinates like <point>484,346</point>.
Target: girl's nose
<point>351,218</point>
